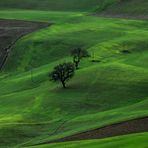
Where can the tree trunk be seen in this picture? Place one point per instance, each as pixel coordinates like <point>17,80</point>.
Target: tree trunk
<point>64,85</point>
<point>77,64</point>
<point>76,60</point>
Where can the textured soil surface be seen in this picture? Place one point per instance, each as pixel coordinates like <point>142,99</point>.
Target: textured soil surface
<point>13,30</point>
<point>123,16</point>
<point>128,127</point>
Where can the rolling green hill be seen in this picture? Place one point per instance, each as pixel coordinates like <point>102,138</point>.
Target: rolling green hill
<point>35,110</point>
<point>101,93</point>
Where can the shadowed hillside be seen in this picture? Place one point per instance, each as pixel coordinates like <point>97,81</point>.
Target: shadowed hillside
<point>118,8</point>
<point>50,4</point>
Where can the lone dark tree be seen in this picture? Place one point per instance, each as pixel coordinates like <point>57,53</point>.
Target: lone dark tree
<point>77,55</point>
<point>62,73</point>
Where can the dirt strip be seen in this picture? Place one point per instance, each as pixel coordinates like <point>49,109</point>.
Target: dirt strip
<point>127,127</point>
<point>122,16</point>
<point>11,31</point>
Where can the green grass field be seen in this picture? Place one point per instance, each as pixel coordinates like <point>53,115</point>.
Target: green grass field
<point>100,93</point>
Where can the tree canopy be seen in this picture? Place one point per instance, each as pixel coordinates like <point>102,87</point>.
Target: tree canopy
<point>62,73</point>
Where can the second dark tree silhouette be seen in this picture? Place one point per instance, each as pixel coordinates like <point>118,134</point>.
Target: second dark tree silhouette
<point>77,55</point>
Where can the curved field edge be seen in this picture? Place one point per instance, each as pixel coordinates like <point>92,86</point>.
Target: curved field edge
<point>12,31</point>
<point>29,104</point>
<point>128,141</point>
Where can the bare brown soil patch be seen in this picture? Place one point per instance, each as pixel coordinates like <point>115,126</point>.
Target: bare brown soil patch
<point>11,31</point>
<point>123,16</point>
<point>123,128</point>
